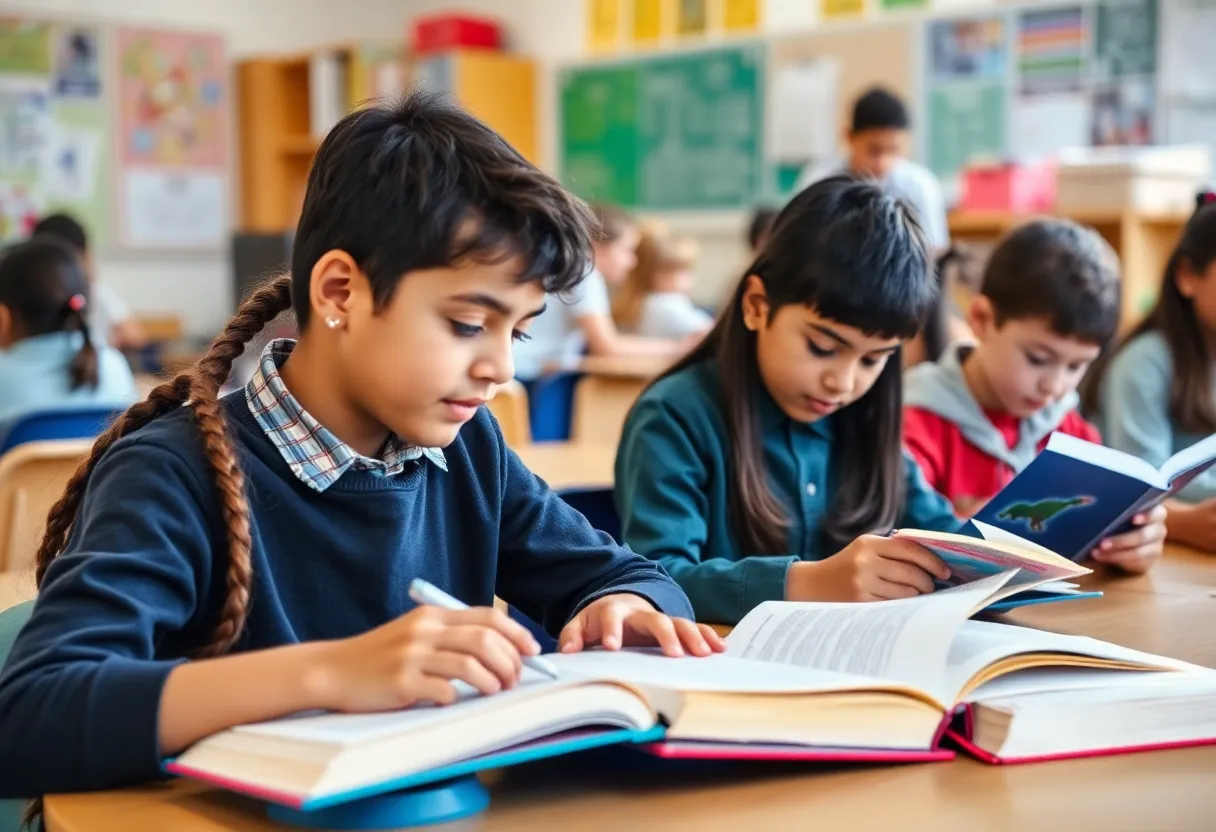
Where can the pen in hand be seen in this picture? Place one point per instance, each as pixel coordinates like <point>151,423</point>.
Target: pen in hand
<point>423,592</point>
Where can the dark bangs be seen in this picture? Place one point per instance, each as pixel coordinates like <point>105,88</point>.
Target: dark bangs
<point>858,257</point>
<point>422,184</point>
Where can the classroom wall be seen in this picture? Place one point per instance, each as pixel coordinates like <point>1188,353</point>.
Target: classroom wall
<point>197,286</point>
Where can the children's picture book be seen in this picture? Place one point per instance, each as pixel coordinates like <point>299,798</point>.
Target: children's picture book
<point>981,551</point>
<point>868,682</point>
<point>1076,493</point>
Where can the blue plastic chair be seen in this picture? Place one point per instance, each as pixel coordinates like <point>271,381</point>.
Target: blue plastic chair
<point>551,405</point>
<point>597,506</point>
<point>60,423</point>
<point>11,622</point>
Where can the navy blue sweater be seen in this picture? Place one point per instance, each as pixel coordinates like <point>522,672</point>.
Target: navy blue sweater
<point>142,581</point>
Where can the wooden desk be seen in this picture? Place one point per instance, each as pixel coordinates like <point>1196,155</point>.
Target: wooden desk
<point>1160,791</point>
<point>1143,241</point>
<point>566,465</point>
<point>623,367</point>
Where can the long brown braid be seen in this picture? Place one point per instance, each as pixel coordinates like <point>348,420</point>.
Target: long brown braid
<point>199,387</point>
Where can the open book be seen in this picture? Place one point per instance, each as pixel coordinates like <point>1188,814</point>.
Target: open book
<point>1075,493</point>
<point>1023,694</point>
<point>1042,576</point>
<point>836,681</point>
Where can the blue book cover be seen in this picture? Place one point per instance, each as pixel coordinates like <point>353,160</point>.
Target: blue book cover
<point>1076,493</point>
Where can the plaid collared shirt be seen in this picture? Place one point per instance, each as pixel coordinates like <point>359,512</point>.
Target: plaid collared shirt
<point>316,456</point>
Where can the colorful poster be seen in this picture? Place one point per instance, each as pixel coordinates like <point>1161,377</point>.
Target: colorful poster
<point>20,208</point>
<point>172,98</point>
<point>967,49</point>
<point>693,18</point>
<point>25,46</point>
<point>603,24</point>
<point>1123,113</point>
<point>1126,39</point>
<point>741,15</point>
<point>647,21</point>
<point>1051,50</point>
<point>842,9</point>
<point>77,72</point>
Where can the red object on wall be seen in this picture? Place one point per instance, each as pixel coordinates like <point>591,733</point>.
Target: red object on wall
<point>453,31</point>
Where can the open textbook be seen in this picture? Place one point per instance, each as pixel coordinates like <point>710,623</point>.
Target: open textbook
<point>1075,493</point>
<point>842,681</point>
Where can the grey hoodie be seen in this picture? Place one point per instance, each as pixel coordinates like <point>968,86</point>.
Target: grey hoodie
<point>941,389</point>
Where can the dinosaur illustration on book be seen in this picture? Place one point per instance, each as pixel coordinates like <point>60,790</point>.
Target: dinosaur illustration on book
<point>1037,514</point>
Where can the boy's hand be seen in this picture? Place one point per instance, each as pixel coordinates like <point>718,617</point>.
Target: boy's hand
<point>1135,551</point>
<point>871,568</point>
<point>416,657</point>
<point>626,620</point>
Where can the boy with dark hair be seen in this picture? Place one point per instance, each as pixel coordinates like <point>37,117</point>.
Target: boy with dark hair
<point>110,320</point>
<point>237,559</point>
<point>973,420</point>
<point>877,140</point>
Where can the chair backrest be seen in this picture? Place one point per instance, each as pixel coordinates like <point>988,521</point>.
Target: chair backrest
<point>601,404</point>
<point>597,506</point>
<point>11,622</point>
<point>32,477</point>
<point>550,398</point>
<point>510,408</point>
<point>64,423</point>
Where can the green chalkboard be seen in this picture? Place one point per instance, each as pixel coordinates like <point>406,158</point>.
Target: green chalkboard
<point>676,132</point>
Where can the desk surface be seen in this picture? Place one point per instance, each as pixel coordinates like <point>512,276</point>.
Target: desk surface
<point>570,465</point>
<point>624,366</point>
<point>1172,611</point>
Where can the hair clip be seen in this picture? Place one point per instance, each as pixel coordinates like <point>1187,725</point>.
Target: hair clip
<point>76,303</point>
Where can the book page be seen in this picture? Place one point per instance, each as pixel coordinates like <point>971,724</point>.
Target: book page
<point>1108,458</point>
<point>905,641</point>
<point>971,558</point>
<point>979,644</point>
<point>1189,462</point>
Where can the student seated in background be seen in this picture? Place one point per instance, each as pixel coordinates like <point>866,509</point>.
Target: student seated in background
<point>758,228</point>
<point>239,559</point>
<point>581,322</point>
<point>764,463</point>
<point>112,321</point>
<point>654,299</point>
<point>973,420</point>
<point>48,359</point>
<point>1156,393</point>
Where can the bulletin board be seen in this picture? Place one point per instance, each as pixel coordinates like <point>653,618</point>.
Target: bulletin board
<point>126,129</point>
<point>53,137</point>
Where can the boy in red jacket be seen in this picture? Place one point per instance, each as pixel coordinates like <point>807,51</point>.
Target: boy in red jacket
<point>977,417</point>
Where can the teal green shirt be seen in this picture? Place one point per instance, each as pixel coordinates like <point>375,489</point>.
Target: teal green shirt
<point>673,477</point>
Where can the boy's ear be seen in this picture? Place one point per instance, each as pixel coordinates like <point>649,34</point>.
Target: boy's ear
<point>981,316</point>
<point>335,279</point>
<point>755,304</point>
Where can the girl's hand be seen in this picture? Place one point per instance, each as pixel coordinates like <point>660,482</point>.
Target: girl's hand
<point>626,620</point>
<point>1135,551</point>
<point>968,507</point>
<point>416,658</point>
<point>871,568</point>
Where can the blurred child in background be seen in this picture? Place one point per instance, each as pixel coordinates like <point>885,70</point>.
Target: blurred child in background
<point>654,300</point>
<point>48,358</point>
<point>1155,393</point>
<point>111,321</point>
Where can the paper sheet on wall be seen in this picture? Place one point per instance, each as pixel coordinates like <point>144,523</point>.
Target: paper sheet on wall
<point>1042,124</point>
<point>70,167</point>
<point>802,107</point>
<point>1188,66</point>
<point>174,209</point>
<point>1191,124</point>
<point>25,123</point>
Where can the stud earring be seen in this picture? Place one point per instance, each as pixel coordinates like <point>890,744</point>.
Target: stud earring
<point>333,323</point>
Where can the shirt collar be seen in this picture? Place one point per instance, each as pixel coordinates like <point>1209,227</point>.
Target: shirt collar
<point>315,455</point>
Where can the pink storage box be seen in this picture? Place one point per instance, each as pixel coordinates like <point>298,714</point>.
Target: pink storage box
<point>1017,188</point>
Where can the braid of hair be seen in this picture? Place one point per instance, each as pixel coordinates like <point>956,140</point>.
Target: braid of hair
<point>212,371</point>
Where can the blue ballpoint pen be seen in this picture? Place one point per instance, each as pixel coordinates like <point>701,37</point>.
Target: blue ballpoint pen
<point>423,592</point>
